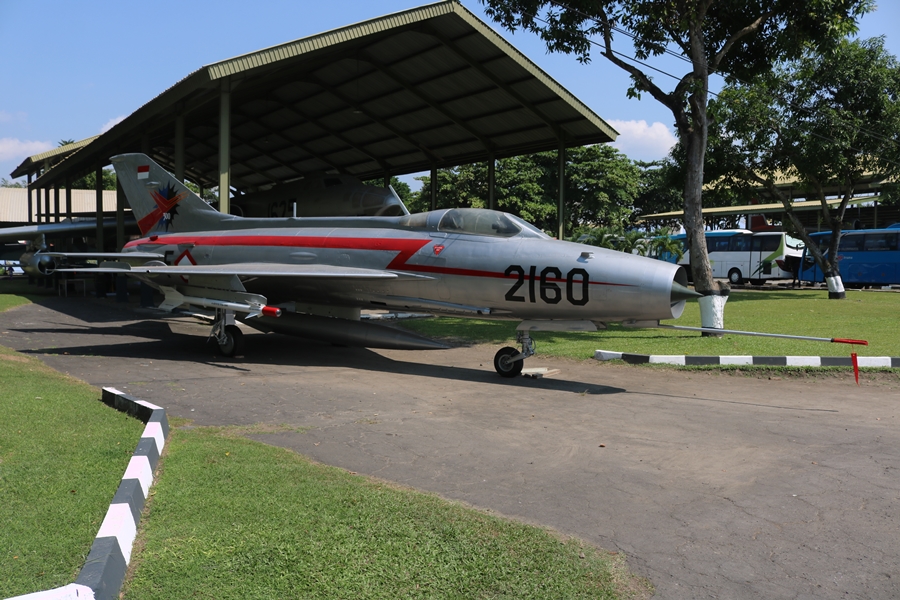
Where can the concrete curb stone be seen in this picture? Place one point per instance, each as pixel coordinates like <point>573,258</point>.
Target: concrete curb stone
<point>884,362</point>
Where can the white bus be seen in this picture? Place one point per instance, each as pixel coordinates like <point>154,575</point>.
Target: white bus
<point>740,255</point>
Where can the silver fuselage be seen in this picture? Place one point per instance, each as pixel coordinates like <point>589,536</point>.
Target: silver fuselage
<point>516,272</point>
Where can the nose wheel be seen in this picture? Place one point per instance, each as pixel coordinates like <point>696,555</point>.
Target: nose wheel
<point>508,361</point>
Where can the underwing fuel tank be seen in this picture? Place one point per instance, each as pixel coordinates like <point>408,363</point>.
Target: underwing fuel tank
<point>343,332</point>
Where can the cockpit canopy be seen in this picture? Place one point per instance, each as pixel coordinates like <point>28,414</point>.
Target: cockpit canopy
<point>474,221</point>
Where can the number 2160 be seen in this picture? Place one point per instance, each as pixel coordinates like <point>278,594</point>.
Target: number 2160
<point>577,284</point>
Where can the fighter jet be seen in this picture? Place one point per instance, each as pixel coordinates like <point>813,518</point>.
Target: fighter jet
<point>315,195</point>
<point>321,195</point>
<point>312,276</point>
<point>37,258</point>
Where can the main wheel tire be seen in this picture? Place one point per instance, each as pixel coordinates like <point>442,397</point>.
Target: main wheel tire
<point>735,277</point>
<point>506,367</point>
<point>234,341</point>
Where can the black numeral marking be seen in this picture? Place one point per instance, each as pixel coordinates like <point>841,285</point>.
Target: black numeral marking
<point>511,294</point>
<point>570,295</point>
<point>550,292</point>
<point>577,285</point>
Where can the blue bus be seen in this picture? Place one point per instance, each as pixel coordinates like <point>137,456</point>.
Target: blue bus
<point>865,257</point>
<point>740,255</point>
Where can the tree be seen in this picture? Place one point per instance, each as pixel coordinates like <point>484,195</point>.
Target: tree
<point>741,38</point>
<point>401,187</point>
<point>89,181</point>
<point>601,187</point>
<point>518,189</point>
<point>828,119</point>
<point>4,182</point>
<point>208,195</point>
<point>662,244</point>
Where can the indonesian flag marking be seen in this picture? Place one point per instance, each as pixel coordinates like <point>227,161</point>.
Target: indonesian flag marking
<point>144,172</point>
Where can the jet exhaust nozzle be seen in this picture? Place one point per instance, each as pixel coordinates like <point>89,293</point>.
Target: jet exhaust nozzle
<point>37,264</point>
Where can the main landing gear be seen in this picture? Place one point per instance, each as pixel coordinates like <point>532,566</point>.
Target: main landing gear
<point>227,335</point>
<point>508,361</point>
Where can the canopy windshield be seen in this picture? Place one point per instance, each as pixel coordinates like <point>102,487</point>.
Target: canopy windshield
<point>478,221</point>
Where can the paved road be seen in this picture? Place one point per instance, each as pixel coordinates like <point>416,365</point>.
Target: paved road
<point>714,486</point>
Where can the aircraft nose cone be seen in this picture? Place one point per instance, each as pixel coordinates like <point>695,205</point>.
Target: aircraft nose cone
<point>680,292</point>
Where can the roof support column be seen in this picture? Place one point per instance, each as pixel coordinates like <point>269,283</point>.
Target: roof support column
<point>179,144</point>
<point>433,182</point>
<point>37,199</point>
<point>69,198</point>
<point>120,216</point>
<point>225,147</point>
<point>56,211</point>
<point>30,205</point>
<point>561,213</point>
<point>98,188</point>
<point>492,181</point>
<point>46,194</point>
<point>387,180</point>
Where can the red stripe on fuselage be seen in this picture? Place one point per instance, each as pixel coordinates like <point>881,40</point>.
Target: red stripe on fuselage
<point>405,249</point>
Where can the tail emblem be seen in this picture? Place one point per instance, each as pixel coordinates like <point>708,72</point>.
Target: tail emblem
<point>166,208</point>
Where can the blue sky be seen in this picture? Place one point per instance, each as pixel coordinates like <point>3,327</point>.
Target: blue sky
<point>73,69</point>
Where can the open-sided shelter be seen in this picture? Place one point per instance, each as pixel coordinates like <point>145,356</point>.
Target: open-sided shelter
<point>413,91</point>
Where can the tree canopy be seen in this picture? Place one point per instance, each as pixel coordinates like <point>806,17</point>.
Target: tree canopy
<point>601,186</point>
<point>739,38</point>
<point>89,181</point>
<point>827,119</point>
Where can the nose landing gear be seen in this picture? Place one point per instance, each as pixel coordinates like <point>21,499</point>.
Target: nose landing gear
<point>508,361</point>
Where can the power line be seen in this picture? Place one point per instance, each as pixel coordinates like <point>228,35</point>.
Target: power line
<point>867,132</point>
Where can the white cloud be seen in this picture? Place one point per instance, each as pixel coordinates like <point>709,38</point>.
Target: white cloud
<point>18,150</point>
<point>6,117</point>
<point>640,141</point>
<point>112,123</point>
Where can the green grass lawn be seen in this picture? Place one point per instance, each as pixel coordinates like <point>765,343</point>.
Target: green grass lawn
<point>872,316</point>
<point>17,291</point>
<point>62,455</point>
<point>234,518</point>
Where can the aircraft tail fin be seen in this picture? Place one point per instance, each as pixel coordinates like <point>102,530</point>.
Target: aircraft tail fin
<point>161,203</point>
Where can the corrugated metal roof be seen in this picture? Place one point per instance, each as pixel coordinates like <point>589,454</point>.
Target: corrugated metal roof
<point>14,203</point>
<point>430,86</point>
<point>35,162</point>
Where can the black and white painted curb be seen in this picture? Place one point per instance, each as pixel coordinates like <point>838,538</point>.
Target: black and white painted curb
<point>885,362</point>
<point>103,572</point>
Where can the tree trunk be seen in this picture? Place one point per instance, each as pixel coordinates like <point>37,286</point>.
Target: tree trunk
<point>695,144</point>
<point>826,262</point>
<point>712,304</point>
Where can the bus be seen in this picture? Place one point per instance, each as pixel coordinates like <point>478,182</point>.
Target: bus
<point>865,257</point>
<point>741,255</point>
